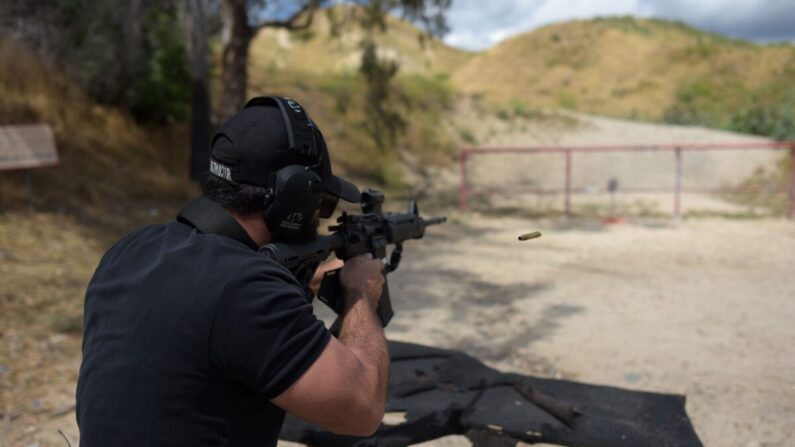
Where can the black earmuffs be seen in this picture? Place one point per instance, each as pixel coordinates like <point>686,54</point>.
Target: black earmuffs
<point>295,192</point>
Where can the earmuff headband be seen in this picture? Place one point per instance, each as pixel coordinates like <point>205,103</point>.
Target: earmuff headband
<point>300,128</point>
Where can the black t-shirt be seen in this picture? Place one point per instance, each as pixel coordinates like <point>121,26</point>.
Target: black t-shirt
<point>187,337</point>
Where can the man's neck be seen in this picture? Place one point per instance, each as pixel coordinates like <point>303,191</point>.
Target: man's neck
<point>255,226</point>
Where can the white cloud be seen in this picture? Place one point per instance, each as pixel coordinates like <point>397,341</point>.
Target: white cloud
<point>477,24</point>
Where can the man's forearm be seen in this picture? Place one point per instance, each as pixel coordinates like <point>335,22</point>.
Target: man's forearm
<point>361,332</point>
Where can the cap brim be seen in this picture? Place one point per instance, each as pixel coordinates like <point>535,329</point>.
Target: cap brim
<point>345,190</point>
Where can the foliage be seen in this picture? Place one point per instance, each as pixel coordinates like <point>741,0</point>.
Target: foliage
<point>765,116</point>
<point>429,14</point>
<point>162,91</point>
<point>467,136</point>
<point>428,91</point>
<point>383,120</point>
<point>127,53</point>
<point>768,110</point>
<point>384,103</point>
<point>342,116</point>
<point>106,158</point>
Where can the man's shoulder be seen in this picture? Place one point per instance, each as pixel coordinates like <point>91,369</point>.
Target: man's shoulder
<point>230,258</point>
<point>177,241</point>
<point>212,262</point>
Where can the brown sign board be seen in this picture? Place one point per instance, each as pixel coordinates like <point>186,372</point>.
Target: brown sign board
<point>26,146</point>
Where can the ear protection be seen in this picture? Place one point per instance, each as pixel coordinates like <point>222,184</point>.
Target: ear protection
<point>295,197</point>
<point>295,192</point>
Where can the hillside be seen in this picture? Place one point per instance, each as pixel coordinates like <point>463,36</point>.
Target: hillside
<point>319,67</point>
<point>626,67</point>
<point>623,67</point>
<point>318,50</point>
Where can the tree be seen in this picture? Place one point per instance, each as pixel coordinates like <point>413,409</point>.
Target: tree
<point>196,38</point>
<point>240,30</point>
<point>384,121</point>
<point>128,53</point>
<point>244,18</point>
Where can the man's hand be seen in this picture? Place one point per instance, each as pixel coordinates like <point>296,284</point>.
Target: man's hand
<point>362,277</point>
<point>345,390</point>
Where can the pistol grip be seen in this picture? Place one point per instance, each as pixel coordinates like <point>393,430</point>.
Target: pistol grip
<point>330,294</point>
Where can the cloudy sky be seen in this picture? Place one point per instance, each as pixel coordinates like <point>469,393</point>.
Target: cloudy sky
<point>478,24</point>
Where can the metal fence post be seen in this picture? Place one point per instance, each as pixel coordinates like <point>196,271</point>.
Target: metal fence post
<point>462,188</point>
<point>568,183</point>
<point>678,184</point>
<point>792,182</point>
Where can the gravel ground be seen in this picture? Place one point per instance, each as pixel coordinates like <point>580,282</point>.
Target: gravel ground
<point>702,308</point>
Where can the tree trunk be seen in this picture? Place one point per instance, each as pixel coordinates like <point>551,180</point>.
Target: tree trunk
<point>200,97</point>
<point>133,59</point>
<point>234,62</point>
<point>132,37</point>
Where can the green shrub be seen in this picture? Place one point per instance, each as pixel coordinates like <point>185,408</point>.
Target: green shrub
<point>567,100</point>
<point>767,111</point>
<point>428,91</point>
<point>467,136</point>
<point>342,88</point>
<point>162,92</point>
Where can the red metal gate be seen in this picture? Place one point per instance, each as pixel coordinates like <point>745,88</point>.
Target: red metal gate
<point>678,150</point>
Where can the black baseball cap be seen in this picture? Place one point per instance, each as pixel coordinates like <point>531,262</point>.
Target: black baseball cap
<point>271,133</point>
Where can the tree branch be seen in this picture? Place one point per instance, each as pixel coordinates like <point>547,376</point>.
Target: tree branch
<point>292,23</point>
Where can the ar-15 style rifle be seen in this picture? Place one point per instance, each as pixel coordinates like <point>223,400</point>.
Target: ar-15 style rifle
<point>355,234</point>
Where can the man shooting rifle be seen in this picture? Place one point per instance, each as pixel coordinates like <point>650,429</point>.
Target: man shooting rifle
<point>193,337</point>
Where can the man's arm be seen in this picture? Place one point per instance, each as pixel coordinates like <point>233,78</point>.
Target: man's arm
<point>344,391</point>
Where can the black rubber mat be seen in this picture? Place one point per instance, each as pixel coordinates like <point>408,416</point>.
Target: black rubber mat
<point>444,392</point>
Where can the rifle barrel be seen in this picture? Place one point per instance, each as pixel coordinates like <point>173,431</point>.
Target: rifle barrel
<point>435,220</point>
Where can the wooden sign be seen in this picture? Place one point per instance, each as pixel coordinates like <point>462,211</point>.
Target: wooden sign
<point>27,146</point>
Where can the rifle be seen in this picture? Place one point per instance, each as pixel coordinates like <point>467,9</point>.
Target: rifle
<point>355,234</point>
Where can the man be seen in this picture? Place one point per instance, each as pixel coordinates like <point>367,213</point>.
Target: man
<point>194,338</point>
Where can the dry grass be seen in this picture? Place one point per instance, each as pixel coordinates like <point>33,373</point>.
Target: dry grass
<point>45,263</point>
<point>107,160</point>
<point>622,67</point>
